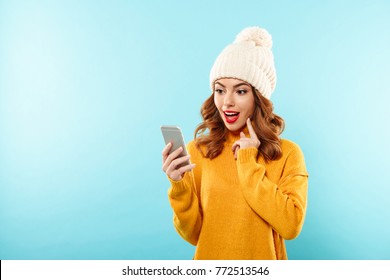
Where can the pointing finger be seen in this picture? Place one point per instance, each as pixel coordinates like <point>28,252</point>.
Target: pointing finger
<point>252,132</point>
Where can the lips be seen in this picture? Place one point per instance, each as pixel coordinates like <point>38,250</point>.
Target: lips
<point>231,116</point>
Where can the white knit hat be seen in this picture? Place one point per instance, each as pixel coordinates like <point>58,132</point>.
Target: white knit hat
<point>249,59</point>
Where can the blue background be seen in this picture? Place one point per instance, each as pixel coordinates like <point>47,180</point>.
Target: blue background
<point>85,86</point>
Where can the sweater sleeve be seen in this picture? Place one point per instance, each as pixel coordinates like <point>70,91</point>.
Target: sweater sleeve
<point>282,205</point>
<point>183,197</point>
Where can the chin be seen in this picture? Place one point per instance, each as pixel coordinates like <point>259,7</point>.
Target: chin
<point>235,128</point>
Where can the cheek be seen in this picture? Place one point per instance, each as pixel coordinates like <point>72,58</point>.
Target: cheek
<point>251,106</point>
<point>252,110</point>
<point>248,106</point>
<point>217,101</point>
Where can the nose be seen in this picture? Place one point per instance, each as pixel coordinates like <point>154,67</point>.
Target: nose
<point>228,100</point>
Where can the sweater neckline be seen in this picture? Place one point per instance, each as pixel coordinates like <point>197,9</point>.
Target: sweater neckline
<point>233,137</point>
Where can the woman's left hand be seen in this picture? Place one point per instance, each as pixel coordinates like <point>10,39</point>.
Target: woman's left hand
<point>246,142</point>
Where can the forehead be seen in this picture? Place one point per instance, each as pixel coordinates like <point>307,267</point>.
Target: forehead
<point>231,82</point>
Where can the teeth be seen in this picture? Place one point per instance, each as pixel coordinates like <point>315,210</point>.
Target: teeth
<point>231,114</point>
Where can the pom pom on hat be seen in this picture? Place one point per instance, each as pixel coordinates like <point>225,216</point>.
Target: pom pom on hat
<point>255,34</point>
<point>249,59</point>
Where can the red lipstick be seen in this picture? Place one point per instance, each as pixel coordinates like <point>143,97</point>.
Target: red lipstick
<point>231,116</point>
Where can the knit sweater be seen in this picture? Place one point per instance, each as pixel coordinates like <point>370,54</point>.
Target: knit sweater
<point>244,208</point>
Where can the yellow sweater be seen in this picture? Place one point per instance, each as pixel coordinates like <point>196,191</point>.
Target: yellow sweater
<point>244,208</point>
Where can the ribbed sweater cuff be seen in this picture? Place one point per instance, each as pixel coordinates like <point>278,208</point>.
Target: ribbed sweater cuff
<point>177,187</point>
<point>247,155</point>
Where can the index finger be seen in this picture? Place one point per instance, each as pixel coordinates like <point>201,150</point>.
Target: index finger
<point>252,132</point>
<point>166,151</point>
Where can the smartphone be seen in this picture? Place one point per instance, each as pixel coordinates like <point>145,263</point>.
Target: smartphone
<point>174,135</point>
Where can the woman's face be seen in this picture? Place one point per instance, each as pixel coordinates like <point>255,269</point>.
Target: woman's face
<point>235,102</point>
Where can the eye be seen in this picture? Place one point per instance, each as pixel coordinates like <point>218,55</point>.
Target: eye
<point>218,90</point>
<point>242,91</point>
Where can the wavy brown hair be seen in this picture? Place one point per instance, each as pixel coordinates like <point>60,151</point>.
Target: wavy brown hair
<point>212,132</point>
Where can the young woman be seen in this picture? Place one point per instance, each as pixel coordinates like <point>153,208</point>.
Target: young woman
<point>245,190</point>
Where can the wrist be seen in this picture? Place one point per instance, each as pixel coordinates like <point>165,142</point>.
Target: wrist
<point>247,154</point>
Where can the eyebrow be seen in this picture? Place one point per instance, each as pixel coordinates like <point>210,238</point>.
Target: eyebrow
<point>235,86</point>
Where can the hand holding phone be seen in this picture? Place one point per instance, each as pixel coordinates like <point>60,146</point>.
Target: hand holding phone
<point>176,160</point>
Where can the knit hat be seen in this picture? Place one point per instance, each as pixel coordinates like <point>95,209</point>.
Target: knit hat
<point>249,59</point>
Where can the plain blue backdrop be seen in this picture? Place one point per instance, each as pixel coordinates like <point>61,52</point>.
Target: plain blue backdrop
<point>85,86</point>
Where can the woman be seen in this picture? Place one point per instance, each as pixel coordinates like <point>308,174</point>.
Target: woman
<point>245,190</point>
